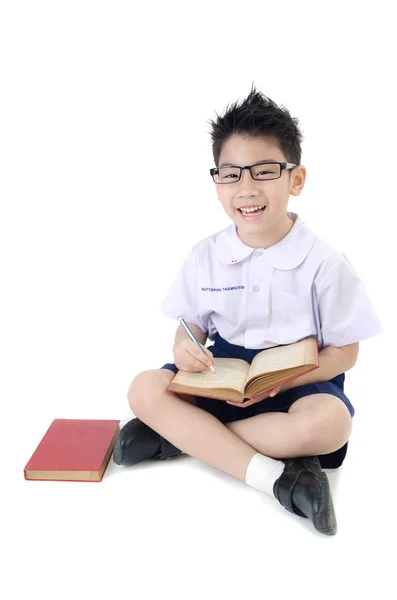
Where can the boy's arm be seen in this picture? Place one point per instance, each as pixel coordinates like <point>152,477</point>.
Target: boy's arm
<point>181,334</point>
<point>332,362</point>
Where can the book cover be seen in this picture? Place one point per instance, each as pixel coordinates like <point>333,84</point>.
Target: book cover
<point>73,450</point>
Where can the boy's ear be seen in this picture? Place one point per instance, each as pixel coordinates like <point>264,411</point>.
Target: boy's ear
<point>298,179</point>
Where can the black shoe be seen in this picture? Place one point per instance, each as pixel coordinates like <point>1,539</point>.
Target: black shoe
<point>137,442</point>
<point>303,489</point>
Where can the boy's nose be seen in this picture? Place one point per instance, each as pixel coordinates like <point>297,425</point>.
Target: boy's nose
<point>246,180</point>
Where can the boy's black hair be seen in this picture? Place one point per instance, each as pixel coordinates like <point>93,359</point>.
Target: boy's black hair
<point>258,116</point>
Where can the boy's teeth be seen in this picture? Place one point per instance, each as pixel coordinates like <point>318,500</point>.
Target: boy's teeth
<point>251,210</point>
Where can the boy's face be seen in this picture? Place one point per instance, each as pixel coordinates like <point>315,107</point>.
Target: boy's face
<point>273,193</point>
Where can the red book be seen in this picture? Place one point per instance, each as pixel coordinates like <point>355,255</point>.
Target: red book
<point>73,450</point>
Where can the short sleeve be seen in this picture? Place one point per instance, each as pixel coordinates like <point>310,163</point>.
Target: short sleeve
<point>182,297</point>
<point>345,310</point>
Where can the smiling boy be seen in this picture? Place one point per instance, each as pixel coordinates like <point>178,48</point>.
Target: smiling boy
<point>265,280</point>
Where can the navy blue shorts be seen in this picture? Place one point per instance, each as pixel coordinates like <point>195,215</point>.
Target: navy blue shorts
<point>226,413</point>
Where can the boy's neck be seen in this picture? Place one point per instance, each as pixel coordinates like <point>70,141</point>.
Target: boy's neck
<point>270,237</point>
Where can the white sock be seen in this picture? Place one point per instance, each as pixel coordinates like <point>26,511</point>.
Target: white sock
<point>262,472</point>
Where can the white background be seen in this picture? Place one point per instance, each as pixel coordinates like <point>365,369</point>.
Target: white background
<point>104,110</point>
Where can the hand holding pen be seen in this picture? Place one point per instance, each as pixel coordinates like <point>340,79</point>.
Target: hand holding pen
<point>190,356</point>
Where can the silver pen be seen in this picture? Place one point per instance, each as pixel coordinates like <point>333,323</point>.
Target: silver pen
<point>190,334</point>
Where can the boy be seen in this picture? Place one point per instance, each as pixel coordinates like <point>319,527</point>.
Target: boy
<point>263,281</point>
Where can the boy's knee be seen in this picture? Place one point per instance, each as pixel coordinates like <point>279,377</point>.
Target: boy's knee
<point>146,388</point>
<point>324,438</point>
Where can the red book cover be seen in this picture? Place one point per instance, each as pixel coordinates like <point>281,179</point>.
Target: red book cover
<point>73,450</point>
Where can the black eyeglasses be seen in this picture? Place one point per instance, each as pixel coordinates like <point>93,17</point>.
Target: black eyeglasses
<point>260,172</point>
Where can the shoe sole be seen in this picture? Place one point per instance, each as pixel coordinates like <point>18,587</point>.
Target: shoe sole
<point>325,520</point>
<point>117,454</point>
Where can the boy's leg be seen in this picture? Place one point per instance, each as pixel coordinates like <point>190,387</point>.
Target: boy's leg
<point>189,428</point>
<point>300,487</point>
<point>321,424</point>
<point>313,426</point>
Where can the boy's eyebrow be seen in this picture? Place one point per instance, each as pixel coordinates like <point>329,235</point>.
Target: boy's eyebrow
<point>257,163</point>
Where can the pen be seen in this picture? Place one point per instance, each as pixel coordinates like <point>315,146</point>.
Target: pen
<point>190,334</point>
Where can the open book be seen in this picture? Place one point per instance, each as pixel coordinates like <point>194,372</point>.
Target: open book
<point>236,379</point>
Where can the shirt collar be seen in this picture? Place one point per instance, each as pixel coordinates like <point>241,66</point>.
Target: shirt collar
<point>287,254</point>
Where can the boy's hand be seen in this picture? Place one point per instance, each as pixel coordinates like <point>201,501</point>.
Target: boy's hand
<point>268,394</point>
<point>187,357</point>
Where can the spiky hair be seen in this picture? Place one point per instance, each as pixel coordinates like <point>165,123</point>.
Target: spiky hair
<point>258,116</point>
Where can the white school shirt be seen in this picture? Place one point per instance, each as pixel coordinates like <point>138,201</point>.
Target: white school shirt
<point>259,298</point>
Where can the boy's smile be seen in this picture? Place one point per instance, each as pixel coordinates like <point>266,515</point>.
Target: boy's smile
<point>251,213</point>
<point>258,208</point>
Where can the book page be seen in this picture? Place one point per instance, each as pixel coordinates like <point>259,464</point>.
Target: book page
<point>230,373</point>
<point>279,358</point>
<point>263,383</point>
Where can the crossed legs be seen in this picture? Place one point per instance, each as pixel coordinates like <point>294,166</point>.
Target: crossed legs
<point>316,424</point>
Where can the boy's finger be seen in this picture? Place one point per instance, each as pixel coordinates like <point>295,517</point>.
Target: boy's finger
<point>189,362</point>
<point>201,357</point>
<point>192,367</point>
<point>208,354</point>
<point>197,361</point>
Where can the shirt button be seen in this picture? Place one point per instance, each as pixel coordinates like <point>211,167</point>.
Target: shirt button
<point>256,288</point>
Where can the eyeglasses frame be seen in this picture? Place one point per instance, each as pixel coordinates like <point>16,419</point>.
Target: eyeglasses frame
<point>283,165</point>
